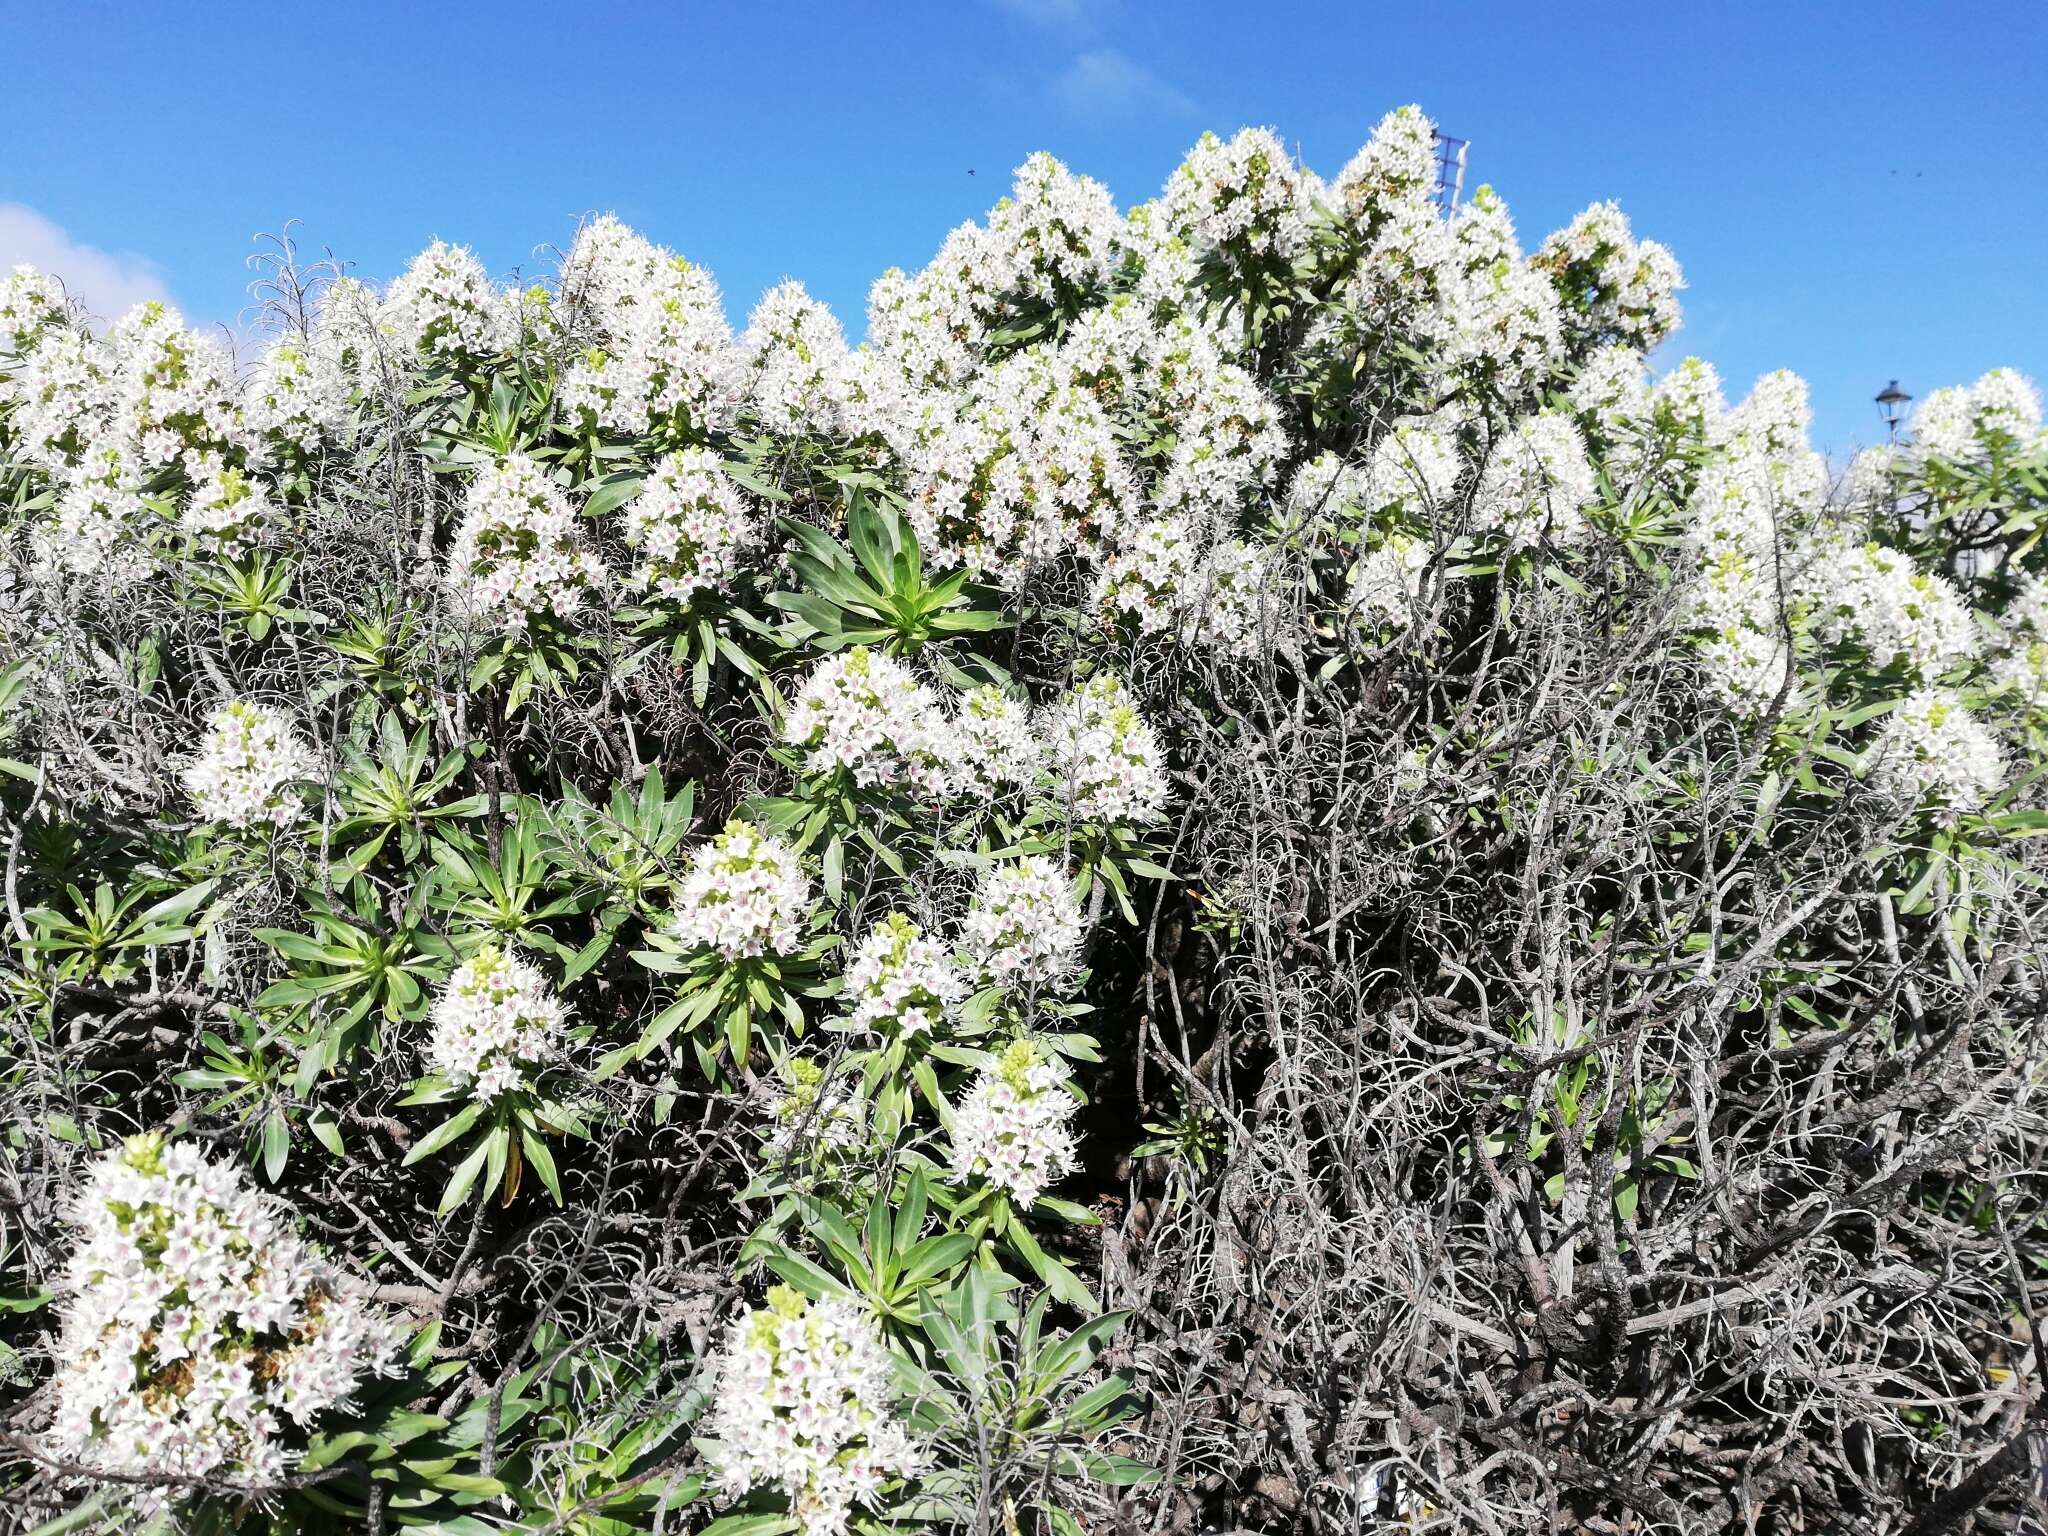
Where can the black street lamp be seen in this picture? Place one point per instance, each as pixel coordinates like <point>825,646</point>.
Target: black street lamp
<point>1892,402</point>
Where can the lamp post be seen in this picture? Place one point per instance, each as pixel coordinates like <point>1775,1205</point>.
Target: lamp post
<point>1891,403</point>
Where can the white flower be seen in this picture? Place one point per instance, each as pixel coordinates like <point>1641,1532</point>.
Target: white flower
<point>1745,667</point>
<point>1500,324</point>
<point>246,768</point>
<point>30,301</point>
<point>1237,602</point>
<point>690,526</point>
<point>63,394</point>
<point>1246,197</point>
<point>1024,925</point>
<point>864,713</point>
<point>1614,288</point>
<point>794,364</point>
<point>1105,757</point>
<point>228,509</point>
<point>102,527</point>
<point>804,1402</point>
<point>1933,749</point>
<point>2001,408</point>
<point>1690,396</point>
<point>494,1023</point>
<point>174,397</point>
<point>1057,236</point>
<point>1147,577</point>
<point>1416,466</point>
<point>446,305</point>
<point>744,894</point>
<point>900,982</point>
<point>1028,470</point>
<point>197,1327</point>
<point>518,550</point>
<point>298,394</point>
<point>1537,482</point>
<point>1387,581</point>
<point>2021,666</point>
<point>993,745</point>
<point>1013,1126</point>
<point>1877,597</point>
<point>666,351</point>
<point>1612,389</point>
<point>1396,167</point>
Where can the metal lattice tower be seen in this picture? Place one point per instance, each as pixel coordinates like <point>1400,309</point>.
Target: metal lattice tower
<point>1450,170</point>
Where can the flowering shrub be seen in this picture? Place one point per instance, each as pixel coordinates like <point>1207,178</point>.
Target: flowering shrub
<point>493,1024</point>
<point>744,894</point>
<point>1267,873</point>
<point>201,1338</point>
<point>244,773</point>
<point>899,981</point>
<point>804,1399</point>
<point>1012,1127</point>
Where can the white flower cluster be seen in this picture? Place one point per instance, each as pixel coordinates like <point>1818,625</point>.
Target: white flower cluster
<point>1036,464</point>
<point>1877,597</point>
<point>1147,577</point>
<point>1538,481</point>
<point>1614,287</point>
<point>1416,466</point>
<point>1689,397</point>
<point>744,894</point>
<point>690,527</point>
<point>103,527</point>
<point>1024,925</point>
<point>1760,481</point>
<point>245,770</point>
<point>1396,168</point>
<point>1612,393</point>
<point>446,305</point>
<point>1013,1127</point>
<point>1498,320</point>
<point>663,348</point>
<point>1057,236</point>
<point>1238,604</point>
<point>298,395</point>
<point>1245,198</point>
<point>30,301</point>
<point>1105,756</point>
<point>865,713</point>
<point>795,364</point>
<point>899,982</point>
<point>173,398</point>
<point>804,1403</point>
<point>1028,470</point>
<point>993,743</point>
<point>2021,666</point>
<point>1932,749</point>
<point>813,1115</point>
<point>2002,410</point>
<point>494,1023</point>
<point>198,1330</point>
<point>1387,580</point>
<point>227,510</point>
<point>518,551</point>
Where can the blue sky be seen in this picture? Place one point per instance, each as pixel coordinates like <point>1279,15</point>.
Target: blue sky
<point>1857,191</point>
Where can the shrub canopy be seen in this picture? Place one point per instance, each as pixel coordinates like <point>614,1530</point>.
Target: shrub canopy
<point>1235,877</point>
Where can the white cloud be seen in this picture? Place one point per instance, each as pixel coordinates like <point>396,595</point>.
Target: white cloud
<point>1103,82</point>
<point>109,282</point>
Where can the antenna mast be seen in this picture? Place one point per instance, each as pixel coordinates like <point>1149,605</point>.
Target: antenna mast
<point>1450,171</point>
